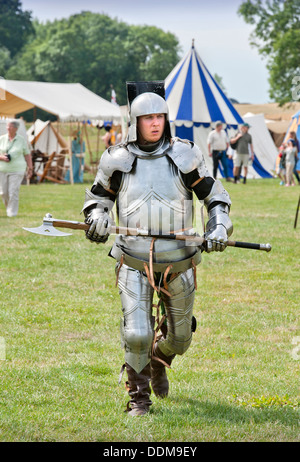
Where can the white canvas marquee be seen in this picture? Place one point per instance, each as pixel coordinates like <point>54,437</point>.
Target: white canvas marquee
<point>263,144</point>
<point>69,101</point>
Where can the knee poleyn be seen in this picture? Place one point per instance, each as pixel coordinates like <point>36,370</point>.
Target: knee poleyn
<point>181,348</point>
<point>138,341</point>
<point>174,346</point>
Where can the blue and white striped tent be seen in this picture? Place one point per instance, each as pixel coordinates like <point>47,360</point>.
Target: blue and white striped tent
<point>196,102</point>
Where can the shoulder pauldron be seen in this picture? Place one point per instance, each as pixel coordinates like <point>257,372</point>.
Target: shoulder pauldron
<point>115,158</point>
<point>185,154</point>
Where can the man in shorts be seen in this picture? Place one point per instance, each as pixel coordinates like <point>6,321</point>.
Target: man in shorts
<point>241,158</point>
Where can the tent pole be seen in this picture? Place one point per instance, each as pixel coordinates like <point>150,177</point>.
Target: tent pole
<point>34,127</point>
<point>70,153</point>
<point>57,128</point>
<point>81,143</point>
<point>98,138</point>
<point>33,144</point>
<point>88,143</point>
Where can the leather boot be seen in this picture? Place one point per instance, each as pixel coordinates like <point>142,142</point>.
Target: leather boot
<point>139,391</point>
<point>159,379</point>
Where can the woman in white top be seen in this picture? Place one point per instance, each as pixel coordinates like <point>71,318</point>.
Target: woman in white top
<point>14,159</point>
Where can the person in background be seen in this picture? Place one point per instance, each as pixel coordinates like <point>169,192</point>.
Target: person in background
<point>293,136</point>
<point>241,158</point>
<point>110,137</point>
<point>78,153</point>
<point>218,144</point>
<point>15,158</point>
<point>281,166</point>
<point>291,156</point>
<point>119,136</point>
<point>297,167</point>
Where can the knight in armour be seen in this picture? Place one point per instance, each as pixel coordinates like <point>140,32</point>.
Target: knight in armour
<point>151,178</point>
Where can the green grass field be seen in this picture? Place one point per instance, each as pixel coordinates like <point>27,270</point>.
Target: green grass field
<point>59,331</point>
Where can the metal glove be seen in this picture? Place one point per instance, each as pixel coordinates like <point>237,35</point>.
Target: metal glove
<point>216,239</point>
<point>100,225</point>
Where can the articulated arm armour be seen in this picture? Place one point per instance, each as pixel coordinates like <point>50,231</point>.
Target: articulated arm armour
<point>218,205</point>
<point>93,201</point>
<point>219,215</point>
<point>217,194</point>
<point>189,160</point>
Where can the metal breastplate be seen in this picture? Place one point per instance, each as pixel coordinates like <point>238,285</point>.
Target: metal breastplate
<point>153,197</point>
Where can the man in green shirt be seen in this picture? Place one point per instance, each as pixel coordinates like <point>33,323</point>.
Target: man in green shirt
<point>14,159</point>
<point>241,157</point>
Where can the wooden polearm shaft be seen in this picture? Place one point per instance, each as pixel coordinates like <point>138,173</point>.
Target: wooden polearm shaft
<point>137,232</point>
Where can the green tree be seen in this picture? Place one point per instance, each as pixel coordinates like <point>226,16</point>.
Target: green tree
<point>15,26</point>
<point>15,29</point>
<point>98,52</point>
<point>5,60</point>
<point>277,37</point>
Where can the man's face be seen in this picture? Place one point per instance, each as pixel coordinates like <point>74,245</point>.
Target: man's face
<point>150,127</point>
<point>11,130</point>
<point>219,128</point>
<point>244,129</point>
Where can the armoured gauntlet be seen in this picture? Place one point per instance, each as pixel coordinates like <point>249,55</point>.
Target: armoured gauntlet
<point>218,228</point>
<point>100,225</point>
<point>96,210</point>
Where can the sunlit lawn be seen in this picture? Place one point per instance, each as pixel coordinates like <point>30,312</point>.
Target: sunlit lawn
<point>59,326</point>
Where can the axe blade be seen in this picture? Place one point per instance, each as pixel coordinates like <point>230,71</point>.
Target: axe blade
<point>47,230</point>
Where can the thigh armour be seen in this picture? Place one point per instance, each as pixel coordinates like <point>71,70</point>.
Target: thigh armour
<point>179,311</point>
<point>137,324</point>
